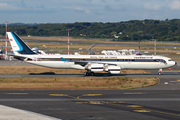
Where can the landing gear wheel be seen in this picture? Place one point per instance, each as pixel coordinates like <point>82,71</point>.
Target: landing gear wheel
<point>159,73</point>
<point>86,73</point>
<point>92,73</point>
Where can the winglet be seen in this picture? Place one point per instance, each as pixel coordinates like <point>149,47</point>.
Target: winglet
<point>63,59</point>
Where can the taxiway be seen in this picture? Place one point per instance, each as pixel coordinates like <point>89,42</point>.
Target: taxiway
<point>159,102</point>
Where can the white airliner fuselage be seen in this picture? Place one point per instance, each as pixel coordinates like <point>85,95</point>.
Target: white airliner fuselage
<point>92,63</point>
<point>125,62</point>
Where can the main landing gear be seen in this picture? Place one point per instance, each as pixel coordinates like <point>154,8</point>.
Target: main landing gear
<point>88,73</point>
<point>160,72</point>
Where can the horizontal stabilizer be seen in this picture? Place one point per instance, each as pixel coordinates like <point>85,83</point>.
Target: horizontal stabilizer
<point>19,57</point>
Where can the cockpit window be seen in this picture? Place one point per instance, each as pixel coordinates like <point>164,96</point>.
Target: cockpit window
<point>170,60</point>
<point>161,60</point>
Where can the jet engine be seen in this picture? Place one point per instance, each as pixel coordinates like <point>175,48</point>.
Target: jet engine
<point>95,67</point>
<point>113,69</point>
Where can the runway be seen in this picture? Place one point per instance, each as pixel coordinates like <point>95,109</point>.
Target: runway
<point>159,102</point>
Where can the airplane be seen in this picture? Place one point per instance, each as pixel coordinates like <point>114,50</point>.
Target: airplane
<point>112,64</point>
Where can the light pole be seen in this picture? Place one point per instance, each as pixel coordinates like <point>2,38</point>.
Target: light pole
<point>154,46</point>
<point>6,41</point>
<point>68,41</point>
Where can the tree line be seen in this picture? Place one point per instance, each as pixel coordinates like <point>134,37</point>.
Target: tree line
<point>162,30</point>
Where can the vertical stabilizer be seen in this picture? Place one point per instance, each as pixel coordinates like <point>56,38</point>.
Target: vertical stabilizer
<point>18,46</point>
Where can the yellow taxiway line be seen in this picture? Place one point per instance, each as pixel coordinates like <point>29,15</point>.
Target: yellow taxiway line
<point>17,93</point>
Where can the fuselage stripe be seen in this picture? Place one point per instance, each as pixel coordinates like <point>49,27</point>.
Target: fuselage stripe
<point>101,60</point>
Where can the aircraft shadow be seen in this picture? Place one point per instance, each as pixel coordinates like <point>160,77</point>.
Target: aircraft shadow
<point>98,74</point>
<point>44,73</point>
<point>51,73</point>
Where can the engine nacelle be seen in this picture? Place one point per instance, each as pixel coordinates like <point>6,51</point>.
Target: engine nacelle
<point>95,67</point>
<point>113,69</point>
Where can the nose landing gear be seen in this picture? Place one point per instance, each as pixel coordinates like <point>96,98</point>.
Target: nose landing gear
<point>160,72</point>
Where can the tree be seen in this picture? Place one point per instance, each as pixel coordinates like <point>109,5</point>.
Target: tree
<point>170,33</point>
<point>136,36</point>
<point>135,29</point>
<point>173,28</point>
<point>113,33</point>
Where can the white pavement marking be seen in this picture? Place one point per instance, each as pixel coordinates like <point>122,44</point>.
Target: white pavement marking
<point>9,113</point>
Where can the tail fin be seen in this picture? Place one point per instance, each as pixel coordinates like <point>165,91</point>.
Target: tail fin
<point>18,46</point>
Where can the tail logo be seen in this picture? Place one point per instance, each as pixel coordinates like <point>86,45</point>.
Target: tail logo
<point>17,42</point>
<point>18,45</point>
<point>35,59</point>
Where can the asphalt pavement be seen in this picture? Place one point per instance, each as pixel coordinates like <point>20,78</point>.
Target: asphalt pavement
<point>97,104</point>
<point>159,102</point>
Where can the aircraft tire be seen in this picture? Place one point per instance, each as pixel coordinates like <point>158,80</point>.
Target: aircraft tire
<point>86,74</point>
<point>159,73</point>
<point>92,73</point>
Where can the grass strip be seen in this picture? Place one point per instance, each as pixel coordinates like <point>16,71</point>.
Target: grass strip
<point>78,83</point>
<point>43,70</point>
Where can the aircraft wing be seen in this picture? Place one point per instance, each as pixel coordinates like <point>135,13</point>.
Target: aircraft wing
<point>85,63</point>
<point>81,63</point>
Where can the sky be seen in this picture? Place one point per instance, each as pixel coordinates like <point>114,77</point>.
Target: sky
<point>70,11</point>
